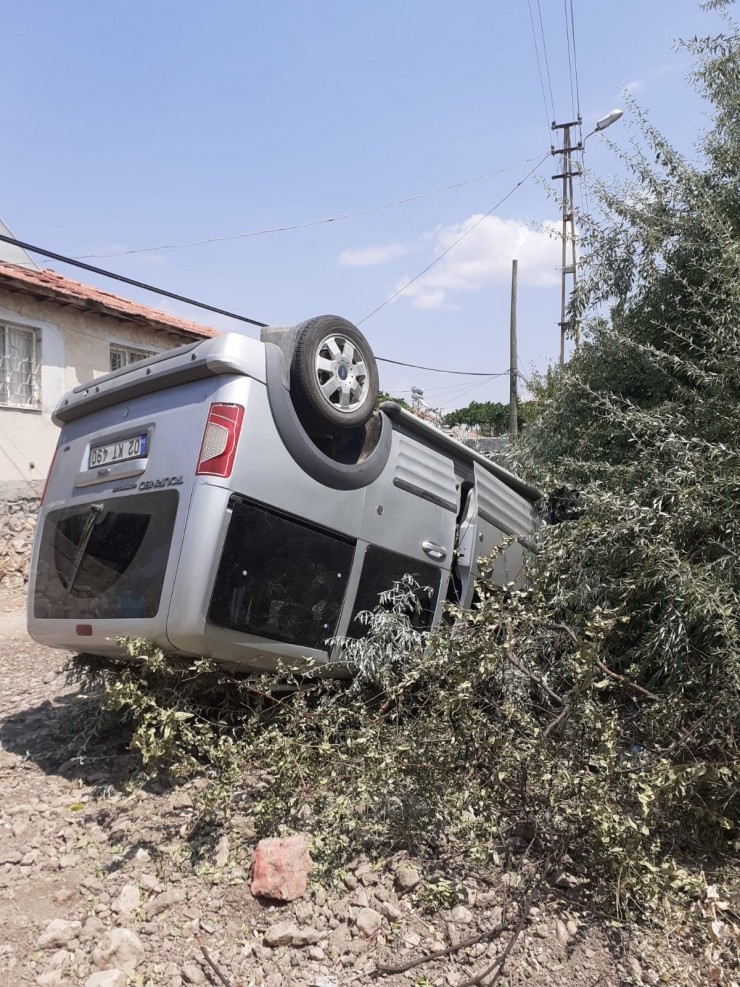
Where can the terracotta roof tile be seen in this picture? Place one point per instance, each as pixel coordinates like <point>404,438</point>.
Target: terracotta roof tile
<point>85,296</point>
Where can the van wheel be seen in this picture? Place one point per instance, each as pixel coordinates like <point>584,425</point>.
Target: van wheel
<point>334,377</point>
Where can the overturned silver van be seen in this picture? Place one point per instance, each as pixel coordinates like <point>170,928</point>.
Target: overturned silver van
<point>244,500</point>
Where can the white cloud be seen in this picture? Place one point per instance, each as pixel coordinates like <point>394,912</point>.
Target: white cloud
<point>372,256</point>
<point>635,86</point>
<point>484,257</point>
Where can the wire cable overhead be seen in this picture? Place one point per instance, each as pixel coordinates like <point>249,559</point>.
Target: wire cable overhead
<point>73,262</point>
<point>467,232</point>
<point>303,226</point>
<point>539,66</point>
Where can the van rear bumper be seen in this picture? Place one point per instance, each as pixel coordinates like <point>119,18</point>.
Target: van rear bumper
<point>71,635</point>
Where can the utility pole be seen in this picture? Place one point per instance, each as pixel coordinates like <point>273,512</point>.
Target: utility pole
<point>569,227</point>
<point>513,408</point>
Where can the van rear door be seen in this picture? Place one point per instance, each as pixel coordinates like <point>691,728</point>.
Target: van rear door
<point>115,510</point>
<point>113,520</point>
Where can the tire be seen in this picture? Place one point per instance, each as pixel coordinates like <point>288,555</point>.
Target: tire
<point>334,376</point>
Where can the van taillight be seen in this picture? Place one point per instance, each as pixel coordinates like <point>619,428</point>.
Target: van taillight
<point>48,475</point>
<point>220,440</point>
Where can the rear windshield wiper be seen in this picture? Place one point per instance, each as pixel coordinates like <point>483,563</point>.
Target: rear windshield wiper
<point>95,515</point>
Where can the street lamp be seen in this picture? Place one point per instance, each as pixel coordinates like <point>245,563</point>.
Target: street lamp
<point>567,174</point>
<point>606,121</point>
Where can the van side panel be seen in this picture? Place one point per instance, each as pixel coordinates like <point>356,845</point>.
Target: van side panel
<point>264,473</point>
<point>503,513</point>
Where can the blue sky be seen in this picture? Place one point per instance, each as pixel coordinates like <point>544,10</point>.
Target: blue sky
<point>142,124</point>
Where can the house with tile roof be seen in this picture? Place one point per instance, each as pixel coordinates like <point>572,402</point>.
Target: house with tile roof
<point>56,333</point>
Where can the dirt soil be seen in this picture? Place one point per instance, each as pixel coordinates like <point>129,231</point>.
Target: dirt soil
<point>82,854</point>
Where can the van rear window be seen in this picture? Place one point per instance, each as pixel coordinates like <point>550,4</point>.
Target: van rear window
<point>280,579</point>
<point>107,559</point>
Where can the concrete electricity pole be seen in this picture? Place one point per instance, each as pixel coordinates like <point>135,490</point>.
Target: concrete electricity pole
<point>513,407</point>
<point>569,228</point>
<point>567,175</point>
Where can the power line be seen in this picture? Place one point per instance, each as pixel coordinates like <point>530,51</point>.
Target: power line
<point>312,222</point>
<point>191,301</point>
<point>136,284</point>
<point>570,65</point>
<point>436,370</point>
<point>539,66</point>
<point>547,61</point>
<point>575,58</point>
<point>454,243</point>
<point>583,189</point>
<point>466,392</point>
<point>440,391</point>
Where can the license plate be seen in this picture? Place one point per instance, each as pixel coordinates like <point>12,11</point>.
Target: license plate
<point>118,452</point>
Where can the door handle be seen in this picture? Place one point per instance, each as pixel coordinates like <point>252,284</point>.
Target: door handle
<point>433,550</point>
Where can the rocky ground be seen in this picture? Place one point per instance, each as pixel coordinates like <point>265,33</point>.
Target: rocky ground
<point>104,886</point>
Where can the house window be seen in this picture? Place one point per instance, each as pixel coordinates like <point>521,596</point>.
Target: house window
<point>122,356</point>
<point>20,367</point>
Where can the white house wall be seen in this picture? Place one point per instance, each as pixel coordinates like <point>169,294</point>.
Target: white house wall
<point>75,347</point>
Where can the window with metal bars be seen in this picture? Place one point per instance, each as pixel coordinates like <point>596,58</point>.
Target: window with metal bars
<point>20,367</point>
<point>122,356</point>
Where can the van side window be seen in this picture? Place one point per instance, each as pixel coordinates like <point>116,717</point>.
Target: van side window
<point>279,578</point>
<point>380,570</point>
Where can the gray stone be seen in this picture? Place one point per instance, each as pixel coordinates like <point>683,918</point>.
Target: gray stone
<point>368,921</point>
<point>107,978</point>
<point>120,949</point>
<point>303,911</point>
<point>320,897</point>
<point>563,879</point>
<point>635,968</point>
<point>60,959</point>
<point>92,929</point>
<point>340,909</point>
<point>316,953</point>
<point>221,854</point>
<point>340,938</point>
<point>407,878</point>
<point>360,898</point>
<point>128,900</point>
<point>561,933</point>
<point>193,974</point>
<point>150,883</point>
<point>58,933</point>
<point>390,911</point>
<point>306,937</point>
<point>175,896</point>
<point>51,979</point>
<point>280,934</point>
<point>461,915</point>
